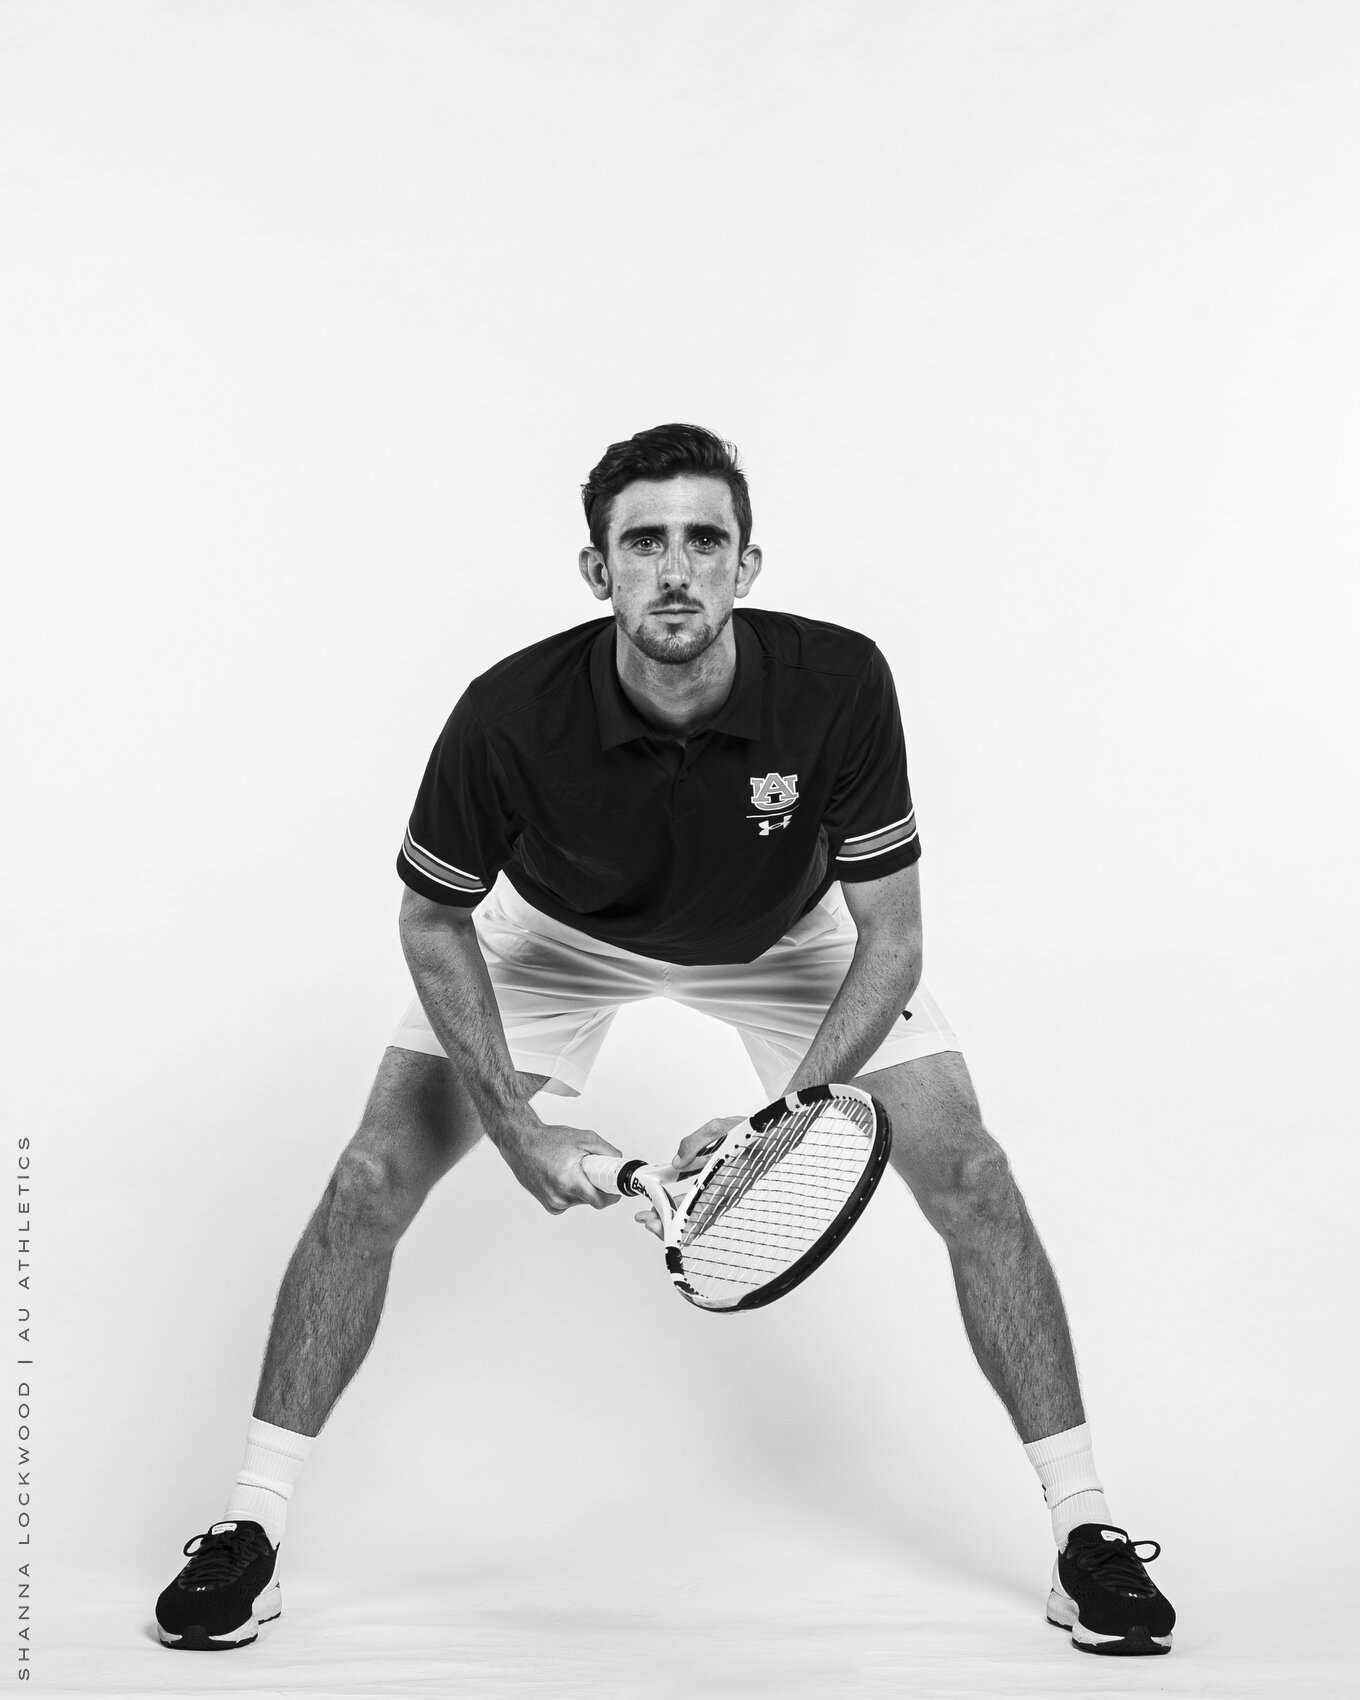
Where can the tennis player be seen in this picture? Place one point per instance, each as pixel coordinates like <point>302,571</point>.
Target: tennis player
<point>690,801</point>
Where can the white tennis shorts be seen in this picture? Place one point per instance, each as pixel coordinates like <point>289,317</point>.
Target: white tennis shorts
<point>558,990</point>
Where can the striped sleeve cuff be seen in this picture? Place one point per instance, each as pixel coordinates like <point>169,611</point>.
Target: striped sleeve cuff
<point>421,869</point>
<point>866,849</point>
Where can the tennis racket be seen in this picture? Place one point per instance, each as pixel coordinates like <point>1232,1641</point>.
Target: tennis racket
<point>760,1209</point>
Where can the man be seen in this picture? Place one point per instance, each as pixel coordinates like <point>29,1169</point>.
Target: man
<point>695,805</point>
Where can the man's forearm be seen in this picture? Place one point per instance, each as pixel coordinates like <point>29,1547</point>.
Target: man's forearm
<point>451,977</point>
<point>877,987</point>
<point>454,987</point>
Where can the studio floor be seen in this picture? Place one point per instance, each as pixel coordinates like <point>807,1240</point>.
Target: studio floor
<point>700,1619</point>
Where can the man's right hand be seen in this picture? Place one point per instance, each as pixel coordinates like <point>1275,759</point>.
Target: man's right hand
<point>546,1161</point>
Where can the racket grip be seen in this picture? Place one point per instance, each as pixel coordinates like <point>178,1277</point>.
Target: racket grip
<point>607,1174</point>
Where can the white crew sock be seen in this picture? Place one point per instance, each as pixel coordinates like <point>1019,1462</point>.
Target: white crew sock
<point>265,1485</point>
<point>1072,1489</point>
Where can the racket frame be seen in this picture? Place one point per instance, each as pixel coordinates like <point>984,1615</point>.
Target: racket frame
<point>660,1187</point>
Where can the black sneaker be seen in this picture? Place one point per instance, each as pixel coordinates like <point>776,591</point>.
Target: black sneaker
<point>1102,1593</point>
<point>224,1593</point>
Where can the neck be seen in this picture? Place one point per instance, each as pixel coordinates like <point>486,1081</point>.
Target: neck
<point>680,696</point>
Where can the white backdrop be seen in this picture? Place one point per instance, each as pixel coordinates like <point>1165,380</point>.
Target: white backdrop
<point>1035,326</point>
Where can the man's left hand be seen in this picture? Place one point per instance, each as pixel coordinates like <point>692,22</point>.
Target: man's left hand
<point>710,1134</point>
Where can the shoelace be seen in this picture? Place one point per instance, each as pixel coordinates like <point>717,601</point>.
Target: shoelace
<point>1116,1564</point>
<point>219,1557</point>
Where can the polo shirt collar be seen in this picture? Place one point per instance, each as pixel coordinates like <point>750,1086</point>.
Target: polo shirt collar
<point>619,721</point>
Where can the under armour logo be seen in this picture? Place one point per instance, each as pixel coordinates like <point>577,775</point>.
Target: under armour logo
<point>769,826</point>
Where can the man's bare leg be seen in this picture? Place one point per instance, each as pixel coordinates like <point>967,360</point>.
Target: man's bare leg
<point>1017,1326</point>
<point>417,1123</point>
<point>1012,1310</point>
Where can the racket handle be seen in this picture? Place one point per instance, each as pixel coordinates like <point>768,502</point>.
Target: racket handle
<point>610,1174</point>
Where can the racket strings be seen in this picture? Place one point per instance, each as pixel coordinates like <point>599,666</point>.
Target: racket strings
<point>767,1238</point>
<point>777,1145</point>
<point>775,1198</point>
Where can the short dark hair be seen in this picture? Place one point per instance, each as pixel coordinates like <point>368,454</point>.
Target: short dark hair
<point>665,451</point>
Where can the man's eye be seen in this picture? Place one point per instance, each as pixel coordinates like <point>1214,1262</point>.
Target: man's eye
<point>704,541</point>
<point>646,543</point>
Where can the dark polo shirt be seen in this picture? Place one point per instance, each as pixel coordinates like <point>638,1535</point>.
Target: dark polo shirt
<point>697,850</point>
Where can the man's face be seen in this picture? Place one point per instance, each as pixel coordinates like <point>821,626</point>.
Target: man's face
<point>673,566</point>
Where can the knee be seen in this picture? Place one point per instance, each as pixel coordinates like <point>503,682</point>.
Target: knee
<point>368,1199</point>
<point>973,1193</point>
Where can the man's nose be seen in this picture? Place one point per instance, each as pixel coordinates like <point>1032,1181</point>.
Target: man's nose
<point>674,565</point>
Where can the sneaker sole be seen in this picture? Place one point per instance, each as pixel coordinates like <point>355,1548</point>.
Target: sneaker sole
<point>194,1638</point>
<point>1063,1614</point>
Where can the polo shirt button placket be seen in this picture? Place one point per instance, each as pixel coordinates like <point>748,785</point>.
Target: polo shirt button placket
<point>683,810</point>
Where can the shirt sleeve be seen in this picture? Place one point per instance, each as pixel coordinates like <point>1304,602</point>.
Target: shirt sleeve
<point>871,822</point>
<point>460,835</point>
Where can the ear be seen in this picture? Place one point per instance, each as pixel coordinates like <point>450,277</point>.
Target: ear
<point>595,573</point>
<point>748,570</point>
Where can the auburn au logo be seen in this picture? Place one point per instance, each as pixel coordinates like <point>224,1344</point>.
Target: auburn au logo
<point>774,792</point>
